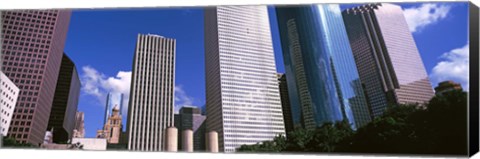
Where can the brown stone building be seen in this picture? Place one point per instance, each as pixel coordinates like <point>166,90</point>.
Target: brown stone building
<point>446,86</point>
<point>112,128</point>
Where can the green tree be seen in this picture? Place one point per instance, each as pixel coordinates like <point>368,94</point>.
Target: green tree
<point>327,137</point>
<point>277,145</point>
<point>390,133</point>
<point>439,127</point>
<point>298,140</point>
<point>11,142</point>
<point>448,121</point>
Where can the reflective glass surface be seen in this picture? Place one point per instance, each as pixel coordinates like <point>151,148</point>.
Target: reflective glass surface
<point>322,77</point>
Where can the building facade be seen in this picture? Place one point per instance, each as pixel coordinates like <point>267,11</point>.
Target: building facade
<point>151,105</point>
<point>112,128</point>
<point>65,102</point>
<point>32,50</point>
<point>390,67</point>
<point>8,99</point>
<point>113,100</point>
<point>320,68</point>
<point>286,107</point>
<point>79,130</point>
<point>242,96</point>
<point>191,118</point>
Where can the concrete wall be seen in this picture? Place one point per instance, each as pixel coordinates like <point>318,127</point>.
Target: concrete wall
<point>91,143</point>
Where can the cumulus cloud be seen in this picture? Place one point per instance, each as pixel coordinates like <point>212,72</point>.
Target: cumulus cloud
<point>99,85</point>
<point>429,13</point>
<point>454,66</point>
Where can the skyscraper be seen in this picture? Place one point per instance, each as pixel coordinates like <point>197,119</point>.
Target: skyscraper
<point>242,95</point>
<point>150,109</point>
<point>32,50</point>
<point>65,102</point>
<point>286,107</point>
<point>389,64</point>
<point>190,117</point>
<point>113,99</point>
<point>8,100</point>
<point>79,131</point>
<point>319,65</point>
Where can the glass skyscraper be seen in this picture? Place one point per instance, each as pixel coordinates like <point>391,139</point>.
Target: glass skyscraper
<point>320,68</point>
<point>113,99</point>
<point>65,101</point>
<point>386,56</point>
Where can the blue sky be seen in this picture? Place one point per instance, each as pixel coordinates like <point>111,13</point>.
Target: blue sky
<point>101,42</point>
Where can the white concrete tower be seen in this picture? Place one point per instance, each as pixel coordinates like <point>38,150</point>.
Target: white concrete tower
<point>151,102</point>
<point>243,99</point>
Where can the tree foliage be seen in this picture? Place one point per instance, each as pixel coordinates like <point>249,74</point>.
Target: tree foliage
<point>439,127</point>
<point>11,142</point>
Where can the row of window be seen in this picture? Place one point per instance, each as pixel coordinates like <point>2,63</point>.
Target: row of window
<point>5,85</point>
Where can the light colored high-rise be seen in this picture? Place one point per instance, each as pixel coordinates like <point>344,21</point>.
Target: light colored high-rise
<point>243,99</point>
<point>8,100</point>
<point>150,110</point>
<point>387,58</point>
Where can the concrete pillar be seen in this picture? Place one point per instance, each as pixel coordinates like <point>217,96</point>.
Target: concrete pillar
<point>171,139</point>
<point>212,141</point>
<point>187,140</point>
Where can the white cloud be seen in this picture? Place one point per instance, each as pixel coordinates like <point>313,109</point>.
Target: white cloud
<point>429,13</point>
<point>99,85</point>
<point>454,66</point>
<point>181,98</point>
<point>335,8</point>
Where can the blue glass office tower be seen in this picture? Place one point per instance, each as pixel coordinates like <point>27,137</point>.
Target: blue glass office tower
<point>322,77</point>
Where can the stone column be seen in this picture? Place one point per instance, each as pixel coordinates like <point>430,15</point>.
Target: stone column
<point>187,140</point>
<point>212,141</point>
<point>171,139</point>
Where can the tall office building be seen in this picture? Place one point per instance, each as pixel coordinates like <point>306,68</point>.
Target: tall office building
<point>320,68</point>
<point>32,50</point>
<point>190,117</point>
<point>390,67</point>
<point>150,109</point>
<point>8,99</point>
<point>243,99</point>
<point>65,102</point>
<point>79,130</point>
<point>113,100</point>
<point>286,107</point>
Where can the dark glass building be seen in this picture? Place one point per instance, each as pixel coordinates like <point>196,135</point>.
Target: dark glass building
<point>389,64</point>
<point>286,108</point>
<point>65,102</point>
<point>191,118</point>
<point>320,68</point>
